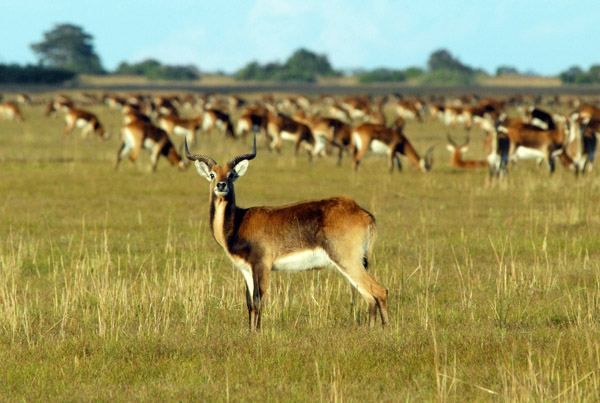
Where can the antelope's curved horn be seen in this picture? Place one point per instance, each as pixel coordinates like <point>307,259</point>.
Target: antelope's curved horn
<point>429,158</point>
<point>450,140</point>
<point>197,157</point>
<point>234,161</point>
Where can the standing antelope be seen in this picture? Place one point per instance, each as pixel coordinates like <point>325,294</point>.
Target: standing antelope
<point>457,151</point>
<point>87,121</point>
<point>383,140</point>
<point>215,118</point>
<point>282,127</point>
<point>139,134</point>
<point>513,139</point>
<point>333,232</point>
<point>174,125</point>
<point>9,110</point>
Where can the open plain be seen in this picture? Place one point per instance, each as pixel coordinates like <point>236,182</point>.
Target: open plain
<point>112,287</point>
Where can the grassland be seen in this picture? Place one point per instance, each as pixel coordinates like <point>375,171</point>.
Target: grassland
<point>112,288</point>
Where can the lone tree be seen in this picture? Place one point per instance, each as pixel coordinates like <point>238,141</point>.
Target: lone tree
<point>443,60</point>
<point>70,47</point>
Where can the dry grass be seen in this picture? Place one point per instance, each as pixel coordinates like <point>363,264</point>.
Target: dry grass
<point>112,288</point>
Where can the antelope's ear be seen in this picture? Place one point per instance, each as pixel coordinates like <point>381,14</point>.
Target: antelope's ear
<point>450,148</point>
<point>239,169</point>
<point>203,170</point>
<point>464,149</point>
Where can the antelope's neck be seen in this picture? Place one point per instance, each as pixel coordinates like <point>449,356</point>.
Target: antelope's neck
<point>222,214</point>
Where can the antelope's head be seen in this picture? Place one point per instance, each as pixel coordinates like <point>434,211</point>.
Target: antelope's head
<point>457,148</point>
<point>221,178</point>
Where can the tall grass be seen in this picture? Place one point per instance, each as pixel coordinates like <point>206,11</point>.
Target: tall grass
<point>111,286</point>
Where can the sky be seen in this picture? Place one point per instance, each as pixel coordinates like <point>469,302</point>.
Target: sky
<point>541,36</point>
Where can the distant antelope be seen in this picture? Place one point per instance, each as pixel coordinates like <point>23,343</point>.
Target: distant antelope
<point>517,140</point>
<point>281,127</point>
<point>333,232</point>
<point>383,140</point>
<point>140,134</point>
<point>9,110</point>
<point>174,125</point>
<point>215,118</point>
<point>457,151</point>
<point>87,121</point>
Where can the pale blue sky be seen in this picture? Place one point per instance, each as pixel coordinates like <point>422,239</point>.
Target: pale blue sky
<point>541,35</point>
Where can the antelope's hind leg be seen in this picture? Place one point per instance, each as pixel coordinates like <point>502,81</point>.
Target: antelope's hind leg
<point>374,293</point>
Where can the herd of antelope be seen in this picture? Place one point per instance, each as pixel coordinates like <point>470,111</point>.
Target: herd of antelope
<point>512,128</point>
<point>332,232</point>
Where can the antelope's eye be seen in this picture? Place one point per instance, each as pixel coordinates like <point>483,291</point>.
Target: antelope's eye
<point>212,175</point>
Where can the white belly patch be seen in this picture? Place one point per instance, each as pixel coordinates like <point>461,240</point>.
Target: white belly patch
<point>288,136</point>
<point>305,260</point>
<point>525,153</point>
<point>181,131</point>
<point>379,147</point>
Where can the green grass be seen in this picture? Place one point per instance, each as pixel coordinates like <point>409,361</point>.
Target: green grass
<point>112,287</point>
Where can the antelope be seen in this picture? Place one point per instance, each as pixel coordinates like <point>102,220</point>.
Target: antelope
<point>521,140</point>
<point>9,110</point>
<point>383,140</point>
<point>333,232</point>
<point>114,102</point>
<point>281,127</point>
<point>457,151</point>
<point>215,118</point>
<point>328,131</point>
<point>174,125</point>
<point>140,134</point>
<point>254,117</point>
<point>23,99</point>
<point>134,115</point>
<point>409,109</point>
<point>85,120</point>
<point>583,141</point>
<point>539,118</point>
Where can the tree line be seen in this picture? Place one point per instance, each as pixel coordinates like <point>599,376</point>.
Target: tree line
<point>67,50</point>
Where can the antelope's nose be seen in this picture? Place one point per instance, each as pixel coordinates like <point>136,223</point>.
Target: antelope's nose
<point>221,186</point>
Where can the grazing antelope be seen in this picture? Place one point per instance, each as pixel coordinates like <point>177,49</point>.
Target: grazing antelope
<point>383,140</point>
<point>9,110</point>
<point>85,120</point>
<point>140,134</point>
<point>333,232</point>
<point>457,151</point>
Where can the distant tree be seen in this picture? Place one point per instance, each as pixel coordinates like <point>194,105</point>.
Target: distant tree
<point>443,60</point>
<point>303,65</point>
<point>576,75</point>
<point>137,69</point>
<point>382,75</point>
<point>413,72</point>
<point>69,47</point>
<point>445,69</point>
<point>12,73</point>
<point>153,70</point>
<point>506,71</point>
<point>303,60</point>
